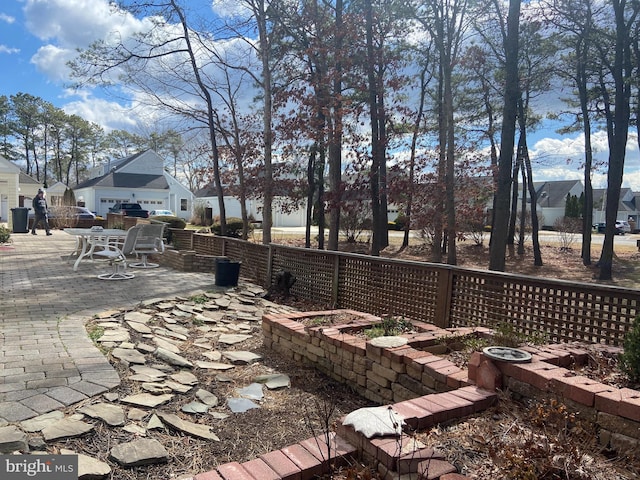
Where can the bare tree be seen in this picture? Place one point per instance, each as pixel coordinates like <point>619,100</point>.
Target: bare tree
<point>498,244</point>
<point>574,20</point>
<point>617,112</point>
<point>166,84</point>
<point>447,23</point>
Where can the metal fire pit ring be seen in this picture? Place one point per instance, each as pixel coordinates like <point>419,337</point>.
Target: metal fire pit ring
<point>507,354</point>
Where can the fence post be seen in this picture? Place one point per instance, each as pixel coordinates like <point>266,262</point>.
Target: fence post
<point>269,265</point>
<point>335,281</point>
<point>443,299</point>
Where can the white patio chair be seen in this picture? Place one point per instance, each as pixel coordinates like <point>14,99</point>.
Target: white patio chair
<point>117,256</point>
<point>150,241</point>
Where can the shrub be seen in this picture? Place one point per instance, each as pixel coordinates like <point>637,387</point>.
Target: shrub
<point>355,219</point>
<point>389,326</point>
<point>199,213</point>
<point>5,234</point>
<point>399,223</point>
<point>630,358</point>
<point>172,222</point>
<point>234,227</point>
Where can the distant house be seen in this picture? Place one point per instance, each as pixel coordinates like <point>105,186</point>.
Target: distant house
<point>17,189</point>
<point>627,206</point>
<point>291,217</point>
<point>283,213</point>
<point>28,189</point>
<point>552,198</point>
<point>9,188</point>
<point>139,178</point>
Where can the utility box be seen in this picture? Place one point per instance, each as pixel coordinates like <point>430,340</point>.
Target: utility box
<point>20,219</point>
<point>227,272</point>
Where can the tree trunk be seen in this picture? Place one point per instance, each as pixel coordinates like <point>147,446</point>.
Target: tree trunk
<point>210,117</point>
<point>311,190</point>
<point>619,132</point>
<point>523,214</point>
<point>378,171</point>
<point>335,136</point>
<point>499,231</point>
<point>260,14</point>
<point>412,159</point>
<point>450,176</point>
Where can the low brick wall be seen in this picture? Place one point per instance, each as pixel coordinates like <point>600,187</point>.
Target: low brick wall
<point>401,374</point>
<point>187,260</point>
<point>382,375</point>
<point>616,411</point>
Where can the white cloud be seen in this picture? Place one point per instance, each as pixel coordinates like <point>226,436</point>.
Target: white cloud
<point>110,115</point>
<point>6,18</point>
<point>563,159</point>
<point>52,61</point>
<point>230,8</point>
<point>5,49</point>
<point>69,25</point>
<point>76,23</point>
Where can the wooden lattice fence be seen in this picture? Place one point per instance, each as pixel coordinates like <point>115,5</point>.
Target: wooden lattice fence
<point>443,295</point>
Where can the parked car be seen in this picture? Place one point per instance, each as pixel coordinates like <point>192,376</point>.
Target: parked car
<point>68,212</point>
<point>130,210</point>
<point>622,227</point>
<point>161,213</point>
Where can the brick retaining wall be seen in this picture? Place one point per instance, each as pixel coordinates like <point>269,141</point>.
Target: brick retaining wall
<point>382,375</point>
<point>616,411</point>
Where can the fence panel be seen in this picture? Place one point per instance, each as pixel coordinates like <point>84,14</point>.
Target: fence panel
<point>254,258</point>
<point>388,287</point>
<point>562,311</point>
<point>313,270</point>
<point>439,294</point>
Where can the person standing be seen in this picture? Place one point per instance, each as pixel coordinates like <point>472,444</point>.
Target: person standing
<point>40,209</point>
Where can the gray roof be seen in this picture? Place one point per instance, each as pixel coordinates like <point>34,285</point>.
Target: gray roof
<point>114,179</point>
<point>25,179</point>
<point>623,206</point>
<point>554,194</point>
<point>127,180</point>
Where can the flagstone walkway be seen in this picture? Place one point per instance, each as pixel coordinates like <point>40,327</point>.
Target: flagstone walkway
<point>47,360</point>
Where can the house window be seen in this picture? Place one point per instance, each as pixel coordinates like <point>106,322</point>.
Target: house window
<point>183,204</point>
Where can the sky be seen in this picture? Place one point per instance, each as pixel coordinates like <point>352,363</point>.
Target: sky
<point>38,37</point>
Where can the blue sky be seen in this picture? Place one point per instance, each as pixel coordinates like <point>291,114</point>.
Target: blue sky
<point>38,37</point>
<point>17,47</point>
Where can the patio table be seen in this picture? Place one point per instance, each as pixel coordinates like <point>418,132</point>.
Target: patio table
<point>87,239</point>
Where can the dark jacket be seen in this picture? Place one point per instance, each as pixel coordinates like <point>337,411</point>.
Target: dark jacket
<point>40,205</point>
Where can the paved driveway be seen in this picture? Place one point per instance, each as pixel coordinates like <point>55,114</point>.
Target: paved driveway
<point>47,360</point>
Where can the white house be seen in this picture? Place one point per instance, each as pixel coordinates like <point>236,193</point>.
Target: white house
<point>139,178</point>
<point>552,198</point>
<point>291,218</point>
<point>9,189</point>
<point>17,189</point>
<point>283,213</point>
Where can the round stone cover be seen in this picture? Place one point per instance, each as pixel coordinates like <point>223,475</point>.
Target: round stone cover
<point>507,354</point>
<point>389,342</point>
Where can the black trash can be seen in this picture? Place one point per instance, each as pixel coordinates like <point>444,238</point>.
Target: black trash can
<point>227,272</point>
<point>20,219</point>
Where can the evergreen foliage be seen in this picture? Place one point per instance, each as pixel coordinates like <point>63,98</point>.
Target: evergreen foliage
<point>630,358</point>
<point>5,234</point>
<point>573,206</point>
